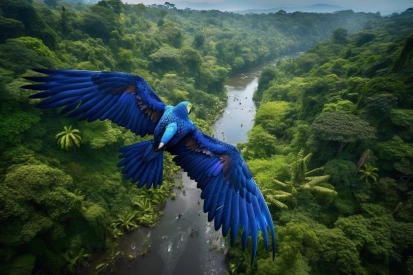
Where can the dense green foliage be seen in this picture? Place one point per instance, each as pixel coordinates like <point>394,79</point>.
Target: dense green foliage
<point>58,207</point>
<point>347,103</point>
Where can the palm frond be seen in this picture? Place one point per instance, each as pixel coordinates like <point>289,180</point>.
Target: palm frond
<point>276,202</point>
<point>317,179</point>
<point>315,171</point>
<point>324,190</point>
<point>283,184</point>
<point>278,194</point>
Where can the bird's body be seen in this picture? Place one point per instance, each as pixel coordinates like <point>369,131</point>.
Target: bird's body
<point>231,196</point>
<point>177,115</point>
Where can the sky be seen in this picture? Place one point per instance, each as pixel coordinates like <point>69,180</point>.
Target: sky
<point>383,6</point>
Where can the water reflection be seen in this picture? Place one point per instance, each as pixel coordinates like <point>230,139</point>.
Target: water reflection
<point>238,117</point>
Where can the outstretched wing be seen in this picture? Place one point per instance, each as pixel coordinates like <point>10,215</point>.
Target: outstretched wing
<point>232,197</point>
<point>123,98</point>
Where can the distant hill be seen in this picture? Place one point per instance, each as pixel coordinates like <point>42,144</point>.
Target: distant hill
<point>244,7</point>
<point>87,2</point>
<point>320,8</point>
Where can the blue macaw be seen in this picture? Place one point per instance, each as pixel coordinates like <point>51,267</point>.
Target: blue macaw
<point>231,196</point>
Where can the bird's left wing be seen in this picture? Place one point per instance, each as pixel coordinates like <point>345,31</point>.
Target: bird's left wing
<point>123,98</point>
<point>231,196</point>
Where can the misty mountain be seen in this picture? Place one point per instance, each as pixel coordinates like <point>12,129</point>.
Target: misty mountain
<point>244,7</point>
<point>320,8</point>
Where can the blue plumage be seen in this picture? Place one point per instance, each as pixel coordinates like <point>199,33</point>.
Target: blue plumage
<point>232,198</point>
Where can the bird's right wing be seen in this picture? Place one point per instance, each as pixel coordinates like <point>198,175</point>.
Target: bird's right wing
<point>125,99</point>
<point>231,196</point>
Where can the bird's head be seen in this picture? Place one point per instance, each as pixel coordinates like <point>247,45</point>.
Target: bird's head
<point>189,107</point>
<point>183,109</point>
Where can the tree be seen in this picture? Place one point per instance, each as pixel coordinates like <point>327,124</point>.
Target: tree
<point>364,158</point>
<point>51,3</point>
<point>260,144</point>
<point>300,179</point>
<point>10,28</point>
<point>192,60</point>
<point>22,264</point>
<point>75,258</point>
<point>35,206</point>
<point>369,173</point>
<point>304,179</point>
<point>115,5</point>
<point>404,119</point>
<point>166,59</point>
<point>405,55</point>
<point>169,5</point>
<point>372,234</point>
<point>276,196</point>
<point>342,173</point>
<point>171,34</point>
<point>386,85</point>
<point>338,254</point>
<point>69,138</point>
<point>340,36</point>
<point>266,76</point>
<point>342,128</point>
<point>64,21</point>
<point>380,105</point>
<point>199,40</point>
<point>341,106</point>
<point>14,124</point>
<point>126,221</point>
<point>395,154</point>
<point>272,117</point>
<point>365,37</point>
<point>294,240</point>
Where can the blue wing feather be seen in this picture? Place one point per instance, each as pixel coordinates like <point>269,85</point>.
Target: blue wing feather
<point>232,198</point>
<point>226,216</point>
<point>123,98</point>
<point>235,215</point>
<point>231,195</point>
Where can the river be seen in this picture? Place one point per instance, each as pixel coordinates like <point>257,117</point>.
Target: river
<point>185,242</point>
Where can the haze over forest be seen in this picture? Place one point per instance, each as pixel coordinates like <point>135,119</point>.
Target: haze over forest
<point>382,6</point>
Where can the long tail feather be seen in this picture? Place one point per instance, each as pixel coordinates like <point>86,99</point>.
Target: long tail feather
<point>142,163</point>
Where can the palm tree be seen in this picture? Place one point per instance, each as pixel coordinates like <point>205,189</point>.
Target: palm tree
<point>369,173</point>
<point>116,232</point>
<point>146,213</point>
<point>274,197</point>
<point>304,179</point>
<point>144,206</point>
<point>364,158</point>
<point>299,168</point>
<point>69,138</point>
<point>155,197</point>
<point>74,258</point>
<point>126,221</point>
<point>301,179</point>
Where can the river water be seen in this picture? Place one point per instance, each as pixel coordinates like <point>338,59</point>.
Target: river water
<point>185,242</point>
